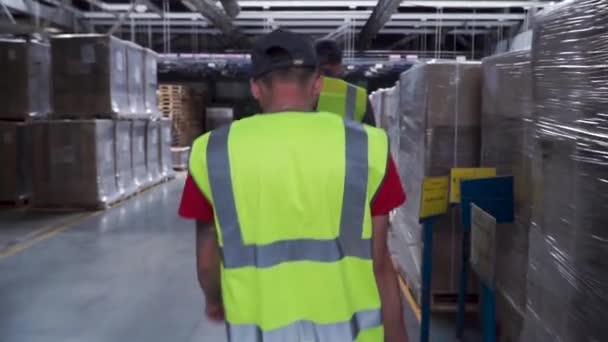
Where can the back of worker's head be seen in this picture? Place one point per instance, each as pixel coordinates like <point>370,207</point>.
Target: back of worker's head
<point>285,72</point>
<point>329,54</point>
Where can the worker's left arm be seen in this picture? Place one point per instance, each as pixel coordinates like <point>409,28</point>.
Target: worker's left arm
<point>368,117</point>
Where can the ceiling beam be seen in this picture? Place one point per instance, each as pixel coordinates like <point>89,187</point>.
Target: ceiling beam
<point>380,16</point>
<point>231,7</point>
<point>312,31</point>
<point>404,4</point>
<point>222,22</point>
<point>337,25</point>
<point>62,18</point>
<point>319,15</point>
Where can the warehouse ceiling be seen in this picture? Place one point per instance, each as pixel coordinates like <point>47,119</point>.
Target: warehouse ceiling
<point>423,27</point>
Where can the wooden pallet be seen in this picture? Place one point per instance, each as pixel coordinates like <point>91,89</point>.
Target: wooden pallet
<point>448,302</point>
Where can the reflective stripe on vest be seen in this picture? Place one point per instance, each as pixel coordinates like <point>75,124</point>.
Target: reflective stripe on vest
<point>309,331</point>
<point>351,101</point>
<point>349,243</point>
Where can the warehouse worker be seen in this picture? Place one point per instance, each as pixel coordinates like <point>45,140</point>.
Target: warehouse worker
<point>339,96</point>
<point>291,212</point>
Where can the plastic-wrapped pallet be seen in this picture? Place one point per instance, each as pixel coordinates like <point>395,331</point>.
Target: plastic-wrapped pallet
<point>138,153</point>
<point>390,119</point>
<point>25,81</point>
<point>15,173</point>
<point>507,117</point>
<point>153,152</point>
<point>136,69</point>
<point>568,271</point>
<point>440,129</point>
<point>218,116</point>
<point>151,83</point>
<point>180,157</point>
<point>375,98</point>
<point>89,77</point>
<point>125,179</point>
<point>73,163</point>
<point>165,148</point>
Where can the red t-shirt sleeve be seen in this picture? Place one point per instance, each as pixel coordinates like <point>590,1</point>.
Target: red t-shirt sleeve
<point>194,204</point>
<point>390,194</point>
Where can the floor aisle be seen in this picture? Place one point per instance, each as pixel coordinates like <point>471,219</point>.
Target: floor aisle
<point>122,275</point>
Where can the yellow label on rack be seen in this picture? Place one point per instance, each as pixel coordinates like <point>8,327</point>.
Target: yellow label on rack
<point>460,174</point>
<point>434,196</point>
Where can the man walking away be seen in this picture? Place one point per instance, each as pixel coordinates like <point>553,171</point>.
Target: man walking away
<point>291,211</point>
<point>338,96</point>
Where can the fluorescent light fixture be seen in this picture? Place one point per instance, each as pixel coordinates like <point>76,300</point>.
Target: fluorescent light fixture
<point>141,8</point>
<point>350,67</point>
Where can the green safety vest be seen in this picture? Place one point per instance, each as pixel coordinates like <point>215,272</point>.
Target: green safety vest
<point>295,242</point>
<point>341,97</point>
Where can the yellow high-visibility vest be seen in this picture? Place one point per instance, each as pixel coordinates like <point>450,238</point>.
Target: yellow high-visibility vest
<point>343,98</point>
<point>291,194</point>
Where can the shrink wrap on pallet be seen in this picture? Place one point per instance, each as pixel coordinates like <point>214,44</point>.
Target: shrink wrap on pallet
<point>507,145</point>
<point>125,180</point>
<point>440,129</point>
<point>165,148</point>
<point>180,157</point>
<point>151,83</point>
<point>567,291</point>
<point>136,77</point>
<point>25,82</point>
<point>138,153</point>
<point>89,77</point>
<point>15,161</point>
<point>73,163</point>
<point>153,152</point>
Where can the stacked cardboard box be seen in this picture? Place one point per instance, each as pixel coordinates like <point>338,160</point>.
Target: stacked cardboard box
<point>125,178</point>
<point>90,77</point>
<point>440,129</point>
<point>165,147</point>
<point>73,163</point>
<point>151,83</point>
<point>568,253</point>
<point>135,80</point>
<point>101,141</point>
<point>24,94</point>
<point>507,141</point>
<point>153,151</point>
<point>24,85</point>
<point>138,153</point>
<point>15,177</point>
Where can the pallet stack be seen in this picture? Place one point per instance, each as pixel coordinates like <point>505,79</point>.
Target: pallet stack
<point>435,136</point>
<point>100,143</point>
<point>24,94</point>
<point>184,108</point>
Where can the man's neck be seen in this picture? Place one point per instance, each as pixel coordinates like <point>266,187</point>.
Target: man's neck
<point>288,106</point>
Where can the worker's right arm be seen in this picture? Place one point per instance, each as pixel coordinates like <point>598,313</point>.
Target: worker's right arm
<point>390,196</point>
<point>195,206</point>
<point>386,278</point>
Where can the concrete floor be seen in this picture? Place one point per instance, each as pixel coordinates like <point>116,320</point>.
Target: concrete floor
<point>125,274</point>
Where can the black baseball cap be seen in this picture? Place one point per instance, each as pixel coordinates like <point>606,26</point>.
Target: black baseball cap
<point>328,51</point>
<point>282,49</point>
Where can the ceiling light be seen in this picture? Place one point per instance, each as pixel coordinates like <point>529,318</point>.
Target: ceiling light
<point>350,67</point>
<point>141,8</point>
